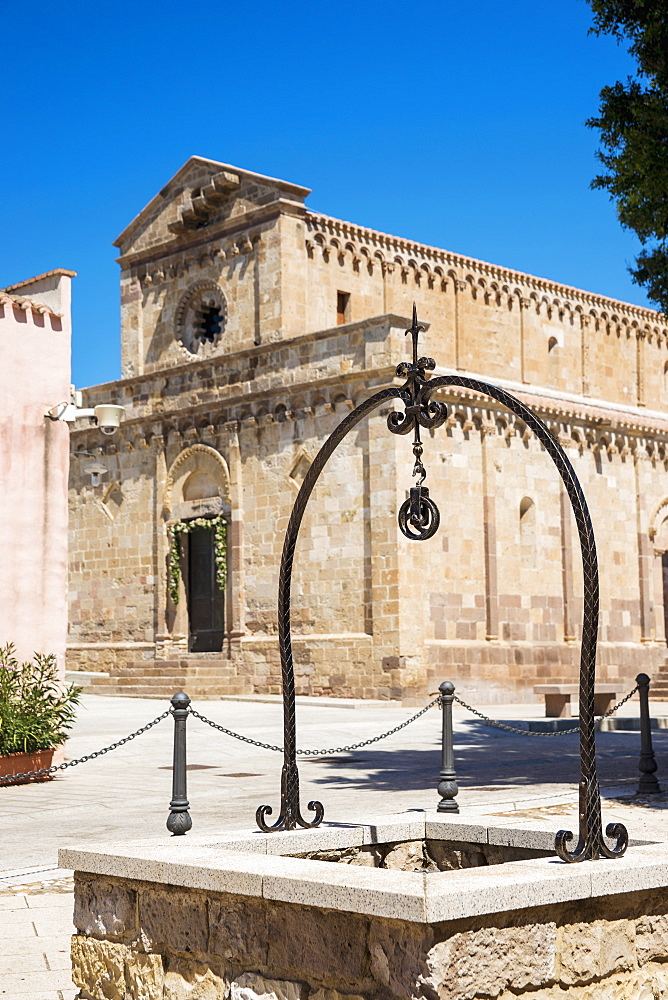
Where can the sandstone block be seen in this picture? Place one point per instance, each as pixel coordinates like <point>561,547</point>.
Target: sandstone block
<point>98,967</point>
<point>652,938</point>
<point>324,947</point>
<point>333,995</point>
<point>144,977</point>
<point>186,979</point>
<point>406,857</point>
<point>587,951</point>
<point>452,856</point>
<point>399,957</point>
<point>237,931</point>
<point>488,961</point>
<point>171,921</point>
<point>103,909</point>
<point>368,856</point>
<point>251,986</point>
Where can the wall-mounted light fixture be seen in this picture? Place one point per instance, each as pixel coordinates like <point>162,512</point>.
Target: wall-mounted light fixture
<point>107,416</point>
<point>95,471</point>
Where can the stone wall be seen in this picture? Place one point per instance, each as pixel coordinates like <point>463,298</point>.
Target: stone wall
<point>141,941</point>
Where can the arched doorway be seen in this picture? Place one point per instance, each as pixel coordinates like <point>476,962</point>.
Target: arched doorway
<point>197,506</point>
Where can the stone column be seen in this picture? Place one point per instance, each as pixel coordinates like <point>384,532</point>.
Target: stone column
<point>489,540</point>
<point>644,552</point>
<point>640,367</point>
<point>524,304</point>
<point>160,545</point>
<point>236,606</point>
<point>585,333</point>
<point>459,286</point>
<point>658,599</point>
<point>567,566</point>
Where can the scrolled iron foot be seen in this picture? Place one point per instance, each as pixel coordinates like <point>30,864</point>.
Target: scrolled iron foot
<point>287,821</point>
<point>594,850</point>
<point>563,838</point>
<point>619,831</point>
<point>318,809</point>
<point>263,811</point>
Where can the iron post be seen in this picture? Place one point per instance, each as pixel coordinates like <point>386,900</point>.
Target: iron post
<point>179,821</point>
<point>447,784</point>
<point>648,784</point>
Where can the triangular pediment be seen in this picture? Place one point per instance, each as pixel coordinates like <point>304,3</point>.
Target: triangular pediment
<point>201,194</point>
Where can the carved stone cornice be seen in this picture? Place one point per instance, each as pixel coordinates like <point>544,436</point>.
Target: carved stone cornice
<point>562,296</point>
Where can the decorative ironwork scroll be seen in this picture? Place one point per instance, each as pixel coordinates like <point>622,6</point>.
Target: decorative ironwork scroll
<point>419,519</point>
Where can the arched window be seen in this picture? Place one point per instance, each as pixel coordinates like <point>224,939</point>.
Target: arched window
<point>665,381</point>
<point>553,359</point>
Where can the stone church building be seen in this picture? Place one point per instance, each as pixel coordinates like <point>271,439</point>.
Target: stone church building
<point>250,327</point>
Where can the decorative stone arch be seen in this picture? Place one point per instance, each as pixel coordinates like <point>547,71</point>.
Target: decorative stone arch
<point>201,296</point>
<point>658,518</point>
<point>192,470</point>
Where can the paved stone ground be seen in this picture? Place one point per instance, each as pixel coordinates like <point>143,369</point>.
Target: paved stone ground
<point>516,780</point>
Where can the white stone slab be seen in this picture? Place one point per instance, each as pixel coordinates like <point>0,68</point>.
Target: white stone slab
<point>531,839</point>
<point>410,896</point>
<point>197,868</point>
<point>394,828</point>
<point>437,827</point>
<point>640,868</point>
<point>499,888</point>
<point>375,891</point>
<point>321,838</point>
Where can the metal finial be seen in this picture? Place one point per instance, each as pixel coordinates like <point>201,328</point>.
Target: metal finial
<point>415,330</point>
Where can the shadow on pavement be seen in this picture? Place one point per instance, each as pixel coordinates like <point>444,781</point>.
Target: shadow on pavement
<point>488,757</point>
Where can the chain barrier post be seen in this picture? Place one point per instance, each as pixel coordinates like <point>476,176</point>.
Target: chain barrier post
<point>648,784</point>
<point>447,785</point>
<point>179,821</point>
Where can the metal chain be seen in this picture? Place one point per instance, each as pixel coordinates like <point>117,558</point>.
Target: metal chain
<point>10,778</point>
<point>315,753</point>
<point>533,732</point>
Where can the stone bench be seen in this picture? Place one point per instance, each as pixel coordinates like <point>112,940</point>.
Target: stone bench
<point>558,698</point>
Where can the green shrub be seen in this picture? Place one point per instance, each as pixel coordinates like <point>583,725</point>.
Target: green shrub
<point>36,710</point>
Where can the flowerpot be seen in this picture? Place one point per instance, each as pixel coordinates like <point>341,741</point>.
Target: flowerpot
<point>20,763</point>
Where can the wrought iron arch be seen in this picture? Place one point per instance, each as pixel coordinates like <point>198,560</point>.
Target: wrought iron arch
<point>418,519</point>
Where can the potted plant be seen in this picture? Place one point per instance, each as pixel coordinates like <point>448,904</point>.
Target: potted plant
<point>36,712</point>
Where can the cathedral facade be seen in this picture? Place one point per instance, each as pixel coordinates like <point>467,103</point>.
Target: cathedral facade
<point>250,327</point>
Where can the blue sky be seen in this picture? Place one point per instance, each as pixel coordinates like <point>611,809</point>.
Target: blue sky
<point>459,125</point>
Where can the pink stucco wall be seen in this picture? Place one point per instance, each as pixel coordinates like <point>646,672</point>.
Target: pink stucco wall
<point>35,335</point>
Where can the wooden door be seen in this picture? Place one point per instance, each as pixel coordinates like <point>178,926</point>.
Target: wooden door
<point>206,602</point>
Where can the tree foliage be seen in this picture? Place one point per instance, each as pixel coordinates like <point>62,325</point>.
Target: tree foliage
<point>633,126</point>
